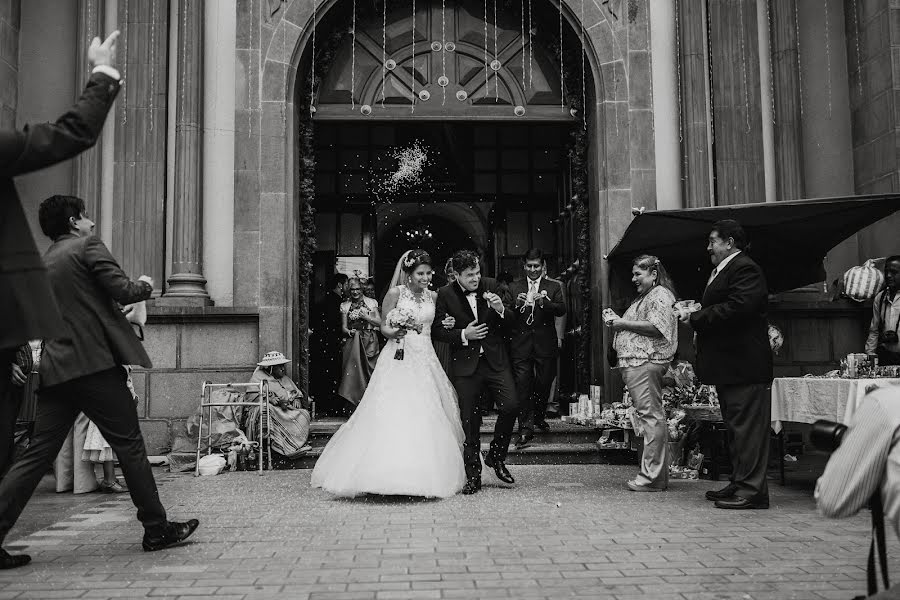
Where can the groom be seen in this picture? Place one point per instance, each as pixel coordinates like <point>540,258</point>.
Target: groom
<point>479,362</point>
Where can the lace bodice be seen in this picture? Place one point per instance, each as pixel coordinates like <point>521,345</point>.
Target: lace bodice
<point>422,307</point>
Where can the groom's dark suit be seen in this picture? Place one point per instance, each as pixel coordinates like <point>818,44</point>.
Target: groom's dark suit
<point>476,366</point>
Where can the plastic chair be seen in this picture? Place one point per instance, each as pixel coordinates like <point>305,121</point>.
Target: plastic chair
<point>262,387</point>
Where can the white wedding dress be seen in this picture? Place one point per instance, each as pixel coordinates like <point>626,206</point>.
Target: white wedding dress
<point>405,437</point>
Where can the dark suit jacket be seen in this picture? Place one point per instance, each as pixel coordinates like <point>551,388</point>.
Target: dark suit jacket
<point>452,301</point>
<point>732,331</point>
<point>539,338</point>
<point>27,309</point>
<point>89,286</point>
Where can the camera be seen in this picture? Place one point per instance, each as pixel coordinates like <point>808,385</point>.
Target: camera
<point>827,435</point>
<point>887,337</point>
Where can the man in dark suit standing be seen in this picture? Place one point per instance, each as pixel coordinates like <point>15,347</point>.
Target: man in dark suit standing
<point>733,353</point>
<point>82,371</point>
<point>479,362</point>
<point>26,304</point>
<point>536,302</point>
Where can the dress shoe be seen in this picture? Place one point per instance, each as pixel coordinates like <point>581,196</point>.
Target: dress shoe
<point>738,503</point>
<point>115,487</point>
<point>634,486</point>
<point>11,561</point>
<point>499,468</point>
<point>723,494</point>
<point>543,425</point>
<point>472,486</point>
<point>524,441</point>
<point>172,534</point>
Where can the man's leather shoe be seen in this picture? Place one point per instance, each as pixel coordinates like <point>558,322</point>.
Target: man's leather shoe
<point>738,503</point>
<point>543,426</point>
<point>172,534</point>
<point>723,494</point>
<point>472,486</point>
<point>523,442</point>
<point>12,561</point>
<point>499,468</point>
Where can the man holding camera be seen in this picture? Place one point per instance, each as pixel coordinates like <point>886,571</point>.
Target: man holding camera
<point>883,339</point>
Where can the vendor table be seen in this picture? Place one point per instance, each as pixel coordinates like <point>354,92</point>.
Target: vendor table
<point>808,399</point>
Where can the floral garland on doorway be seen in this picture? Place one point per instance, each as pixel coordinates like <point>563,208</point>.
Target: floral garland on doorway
<point>306,188</point>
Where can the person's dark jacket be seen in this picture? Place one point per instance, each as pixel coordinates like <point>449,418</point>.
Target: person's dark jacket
<point>451,300</point>
<point>27,307</point>
<point>89,286</point>
<point>537,339</point>
<point>732,331</point>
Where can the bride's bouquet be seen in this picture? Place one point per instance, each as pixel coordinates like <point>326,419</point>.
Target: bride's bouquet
<point>403,318</point>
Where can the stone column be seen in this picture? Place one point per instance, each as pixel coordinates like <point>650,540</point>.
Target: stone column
<point>696,122</point>
<point>187,284</point>
<point>665,104</point>
<point>138,200</point>
<point>87,170</point>
<point>786,83</point>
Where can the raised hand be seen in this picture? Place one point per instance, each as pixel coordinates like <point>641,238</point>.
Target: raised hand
<point>474,331</point>
<point>494,301</point>
<point>103,53</point>
<point>18,376</point>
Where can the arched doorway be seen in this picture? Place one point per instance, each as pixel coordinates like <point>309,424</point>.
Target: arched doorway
<point>499,140</point>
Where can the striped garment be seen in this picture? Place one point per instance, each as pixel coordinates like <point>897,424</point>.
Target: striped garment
<point>290,426</point>
<point>869,457</point>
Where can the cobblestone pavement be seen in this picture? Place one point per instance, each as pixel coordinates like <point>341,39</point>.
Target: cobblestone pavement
<point>565,531</point>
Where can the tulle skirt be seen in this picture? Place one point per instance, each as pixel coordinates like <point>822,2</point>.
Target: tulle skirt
<point>405,438</point>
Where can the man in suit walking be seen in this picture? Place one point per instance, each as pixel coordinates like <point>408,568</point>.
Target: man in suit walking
<point>82,371</point>
<point>733,353</point>
<point>536,301</point>
<point>26,304</point>
<point>479,362</point>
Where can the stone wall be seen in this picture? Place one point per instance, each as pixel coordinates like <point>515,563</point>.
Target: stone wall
<point>9,61</point>
<point>188,347</point>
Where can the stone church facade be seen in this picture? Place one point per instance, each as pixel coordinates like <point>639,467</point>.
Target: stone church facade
<point>197,180</point>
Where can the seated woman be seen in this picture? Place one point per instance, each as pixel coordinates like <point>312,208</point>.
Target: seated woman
<point>360,319</point>
<point>288,409</point>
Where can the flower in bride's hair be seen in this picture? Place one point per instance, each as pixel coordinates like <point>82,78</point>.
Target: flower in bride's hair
<point>409,262</point>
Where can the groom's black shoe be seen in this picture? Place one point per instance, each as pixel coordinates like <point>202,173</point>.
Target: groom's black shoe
<point>13,561</point>
<point>472,486</point>
<point>499,468</point>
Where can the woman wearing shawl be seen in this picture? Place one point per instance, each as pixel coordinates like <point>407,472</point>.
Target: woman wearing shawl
<point>288,409</point>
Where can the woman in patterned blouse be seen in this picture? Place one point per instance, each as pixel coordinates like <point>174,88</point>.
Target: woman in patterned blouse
<point>645,342</point>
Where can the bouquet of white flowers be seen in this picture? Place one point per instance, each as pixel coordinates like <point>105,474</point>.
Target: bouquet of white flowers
<point>403,318</point>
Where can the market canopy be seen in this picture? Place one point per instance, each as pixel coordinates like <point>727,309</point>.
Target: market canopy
<point>788,239</point>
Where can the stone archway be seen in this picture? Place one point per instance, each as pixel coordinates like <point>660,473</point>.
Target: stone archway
<point>271,50</point>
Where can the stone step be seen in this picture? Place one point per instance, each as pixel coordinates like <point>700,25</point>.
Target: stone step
<point>560,433</point>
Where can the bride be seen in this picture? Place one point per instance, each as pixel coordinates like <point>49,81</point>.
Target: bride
<point>405,438</point>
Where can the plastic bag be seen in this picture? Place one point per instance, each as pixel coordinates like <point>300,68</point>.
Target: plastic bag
<point>862,283</point>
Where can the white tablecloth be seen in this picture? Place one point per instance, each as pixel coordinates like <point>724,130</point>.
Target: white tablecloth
<point>808,399</point>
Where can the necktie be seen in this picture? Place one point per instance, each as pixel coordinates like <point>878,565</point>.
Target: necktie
<point>532,287</point>
<point>712,276</point>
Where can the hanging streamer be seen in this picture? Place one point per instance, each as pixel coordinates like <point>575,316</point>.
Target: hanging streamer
<point>353,59</point>
<point>680,90</point>
<point>497,73</point>
<point>584,76</point>
<point>152,58</point>
<point>383,47</point>
<point>744,71</point>
<point>858,59</point>
<point>799,65</point>
<point>771,65</point>
<point>827,59</point>
<point>125,67</point>
<point>562,70</point>
<point>412,105</point>
<point>523,46</point>
<point>487,66</point>
<point>443,52</point>
<point>530,49</point>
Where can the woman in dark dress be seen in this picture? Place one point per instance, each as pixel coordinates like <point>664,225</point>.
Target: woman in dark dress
<point>360,319</point>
